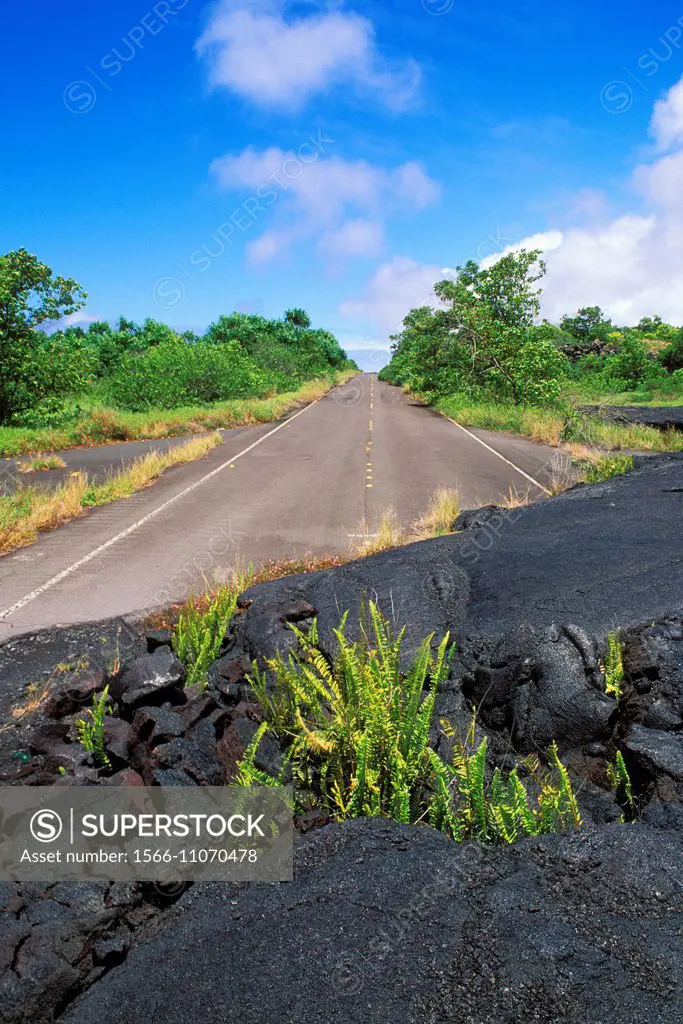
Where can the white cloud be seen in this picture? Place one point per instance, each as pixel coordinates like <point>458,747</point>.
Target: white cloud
<point>357,237</point>
<point>546,241</point>
<point>631,265</point>
<point>667,120</point>
<point>341,203</point>
<point>78,319</point>
<point>272,58</point>
<point>394,289</point>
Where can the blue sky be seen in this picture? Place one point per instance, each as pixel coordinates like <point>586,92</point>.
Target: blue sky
<point>340,156</point>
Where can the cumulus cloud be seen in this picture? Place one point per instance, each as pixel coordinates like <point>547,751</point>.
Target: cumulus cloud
<point>667,120</point>
<point>342,204</point>
<point>546,241</point>
<point>394,289</point>
<point>631,265</point>
<point>264,53</point>
<point>353,238</point>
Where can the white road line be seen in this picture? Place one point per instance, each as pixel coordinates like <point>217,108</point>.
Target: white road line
<point>535,482</point>
<point>145,519</point>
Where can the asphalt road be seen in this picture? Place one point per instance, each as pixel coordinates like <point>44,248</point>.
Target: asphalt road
<point>99,462</point>
<point>273,491</point>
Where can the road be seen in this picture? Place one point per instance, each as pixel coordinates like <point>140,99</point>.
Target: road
<point>273,491</point>
<point>99,462</point>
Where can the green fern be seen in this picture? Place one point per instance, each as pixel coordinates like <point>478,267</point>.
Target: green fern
<point>620,781</point>
<point>613,667</point>
<point>500,811</point>
<point>200,631</point>
<point>249,774</point>
<point>90,730</point>
<point>357,730</point>
<point>357,736</point>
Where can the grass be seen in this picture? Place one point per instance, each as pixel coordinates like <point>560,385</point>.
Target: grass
<point>437,521</point>
<point>554,427</point>
<point>34,697</point>
<point>387,535</point>
<point>541,425</point>
<point>167,618</point>
<point>107,426</point>
<point>646,398</point>
<point>30,510</point>
<point>357,730</point>
<point>607,466</point>
<point>41,463</point>
<point>443,510</point>
<point>202,626</point>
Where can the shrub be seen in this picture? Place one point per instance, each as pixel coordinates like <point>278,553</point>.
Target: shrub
<point>175,373</point>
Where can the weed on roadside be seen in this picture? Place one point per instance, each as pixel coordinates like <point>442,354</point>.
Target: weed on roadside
<point>41,463</point>
<point>30,510</point>
<point>356,731</point>
<point>90,730</point>
<point>202,626</point>
<point>443,510</point>
<point>607,466</point>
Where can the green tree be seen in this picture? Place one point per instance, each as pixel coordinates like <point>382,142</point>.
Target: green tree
<point>589,324</point>
<point>298,318</point>
<point>30,295</point>
<point>483,338</point>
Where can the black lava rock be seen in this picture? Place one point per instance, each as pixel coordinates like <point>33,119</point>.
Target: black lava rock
<point>152,679</point>
<point>402,924</point>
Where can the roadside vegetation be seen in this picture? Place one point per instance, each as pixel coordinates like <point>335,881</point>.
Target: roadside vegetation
<point>356,733</point>
<point>125,382</point>
<point>31,509</point>
<point>202,625</point>
<point>484,360</point>
<point>41,464</point>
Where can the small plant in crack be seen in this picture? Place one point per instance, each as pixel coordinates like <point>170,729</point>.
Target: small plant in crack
<point>202,626</point>
<point>90,730</point>
<point>620,781</point>
<point>613,667</point>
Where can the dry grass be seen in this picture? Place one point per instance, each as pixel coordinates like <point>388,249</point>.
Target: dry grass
<point>30,510</point>
<point>516,498</point>
<point>166,618</point>
<point>41,463</point>
<point>443,510</point>
<point>387,535</point>
<point>34,699</point>
<point>437,521</point>
<point>563,472</point>
<point>148,468</point>
<point>554,427</point>
<point>108,426</point>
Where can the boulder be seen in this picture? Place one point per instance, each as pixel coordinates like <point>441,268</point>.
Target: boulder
<point>236,739</point>
<point>118,737</point>
<point>152,679</point>
<point>196,753</point>
<point>157,638</point>
<point>156,725</point>
<point>657,757</point>
<point>73,691</point>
